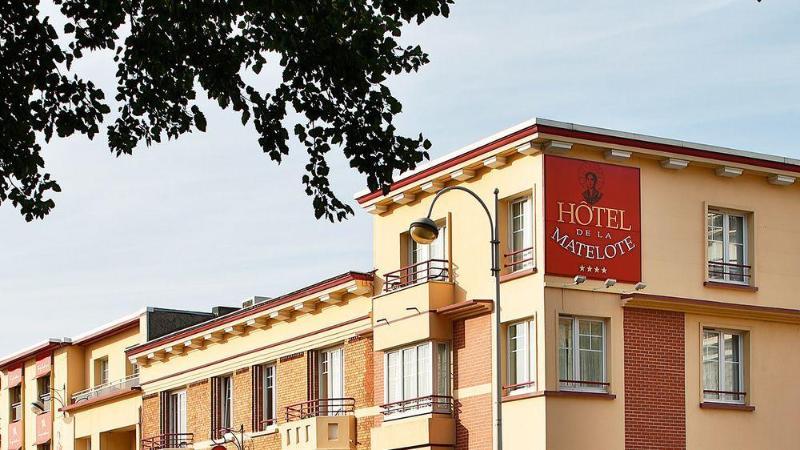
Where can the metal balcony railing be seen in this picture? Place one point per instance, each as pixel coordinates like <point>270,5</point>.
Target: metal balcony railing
<point>421,272</point>
<point>124,384</point>
<point>320,407</point>
<point>168,440</point>
<point>511,388</point>
<point>440,404</point>
<point>730,272</point>
<point>725,396</point>
<point>518,260</point>
<point>581,385</point>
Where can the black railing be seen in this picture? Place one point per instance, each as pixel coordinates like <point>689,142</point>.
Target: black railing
<point>731,396</point>
<point>320,407</point>
<point>738,273</point>
<point>440,404</point>
<point>584,385</point>
<point>421,272</point>
<point>168,440</point>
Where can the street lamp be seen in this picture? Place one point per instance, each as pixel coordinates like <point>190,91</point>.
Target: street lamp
<point>424,231</point>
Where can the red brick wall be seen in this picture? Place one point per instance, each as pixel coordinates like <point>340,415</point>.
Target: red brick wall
<point>243,399</point>
<point>151,411</point>
<point>655,413</point>
<point>472,366</point>
<point>198,409</point>
<point>359,382</point>
<point>292,383</point>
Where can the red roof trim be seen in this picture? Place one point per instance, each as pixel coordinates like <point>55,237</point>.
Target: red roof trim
<point>454,161</point>
<point>563,132</point>
<point>102,334</point>
<point>308,290</point>
<point>31,353</point>
<point>668,148</point>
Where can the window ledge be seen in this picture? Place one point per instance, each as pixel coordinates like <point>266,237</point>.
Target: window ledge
<point>724,285</point>
<point>272,429</point>
<point>582,394</point>
<point>730,406</point>
<point>517,274</point>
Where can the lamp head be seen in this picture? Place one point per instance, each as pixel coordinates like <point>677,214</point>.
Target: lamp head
<point>610,282</point>
<point>640,285</point>
<point>579,279</point>
<point>423,231</point>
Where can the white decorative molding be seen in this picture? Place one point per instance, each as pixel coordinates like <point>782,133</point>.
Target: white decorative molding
<point>462,174</point>
<point>260,322</point>
<point>330,298</point>
<point>278,315</point>
<point>494,162</point>
<point>781,180</point>
<point>728,172</point>
<point>376,208</point>
<point>558,147</point>
<point>234,330</point>
<point>213,337</point>
<point>305,307</point>
<point>176,349</point>
<point>403,198</point>
<point>674,163</point>
<point>614,154</point>
<point>193,343</point>
<point>432,186</point>
<point>528,148</point>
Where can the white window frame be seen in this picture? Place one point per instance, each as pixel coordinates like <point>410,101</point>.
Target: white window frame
<point>102,371</point>
<point>528,380</point>
<point>414,249</point>
<point>15,407</point>
<point>177,412</point>
<point>721,373</point>
<point>527,232</point>
<point>438,374</point>
<point>746,272</point>
<point>268,413</point>
<point>576,374</point>
<point>226,396</point>
<point>43,392</point>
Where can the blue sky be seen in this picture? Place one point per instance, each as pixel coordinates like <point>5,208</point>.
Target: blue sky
<point>209,220</point>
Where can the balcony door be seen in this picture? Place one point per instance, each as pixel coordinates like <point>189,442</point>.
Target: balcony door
<point>434,252</point>
<point>331,381</point>
<point>177,416</point>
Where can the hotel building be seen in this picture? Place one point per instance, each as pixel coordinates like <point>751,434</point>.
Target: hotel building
<point>646,302</point>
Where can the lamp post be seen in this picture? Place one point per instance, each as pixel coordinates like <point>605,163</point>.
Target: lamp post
<point>425,231</point>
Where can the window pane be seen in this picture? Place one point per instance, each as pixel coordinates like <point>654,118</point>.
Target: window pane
<point>409,373</point>
<point>394,371</point>
<point>443,387</point>
<point>590,344</point>
<point>736,229</point>
<point>425,372</point>
<point>565,348</point>
<point>711,363</point>
<point>732,365</point>
<point>269,392</point>
<point>591,366</point>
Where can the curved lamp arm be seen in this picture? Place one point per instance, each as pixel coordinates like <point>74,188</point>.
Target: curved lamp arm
<point>492,222</point>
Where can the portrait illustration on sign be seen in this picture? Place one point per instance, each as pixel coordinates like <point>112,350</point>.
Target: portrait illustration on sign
<point>592,219</point>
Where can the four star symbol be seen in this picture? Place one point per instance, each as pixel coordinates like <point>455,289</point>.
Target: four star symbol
<point>590,269</point>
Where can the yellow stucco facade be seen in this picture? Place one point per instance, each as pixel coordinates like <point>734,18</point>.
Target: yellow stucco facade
<point>696,353</point>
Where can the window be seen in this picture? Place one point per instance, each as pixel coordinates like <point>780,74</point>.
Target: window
<point>43,392</point>
<point>520,237</point>
<point>728,247</point>
<point>15,397</point>
<point>222,405</point>
<point>417,379</point>
<point>264,397</point>
<point>723,372</point>
<point>177,414</point>
<point>581,353</point>
<point>427,261</point>
<point>331,381</point>
<point>101,371</point>
<point>521,357</point>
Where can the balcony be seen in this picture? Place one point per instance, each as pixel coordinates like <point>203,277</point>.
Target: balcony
<point>168,441</point>
<point>106,390</point>
<point>429,404</point>
<point>406,311</point>
<point>421,272</point>
<point>320,424</point>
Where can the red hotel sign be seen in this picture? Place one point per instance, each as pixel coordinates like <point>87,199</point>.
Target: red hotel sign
<point>14,376</point>
<point>15,435</point>
<point>44,427</point>
<point>43,364</point>
<point>592,220</point>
